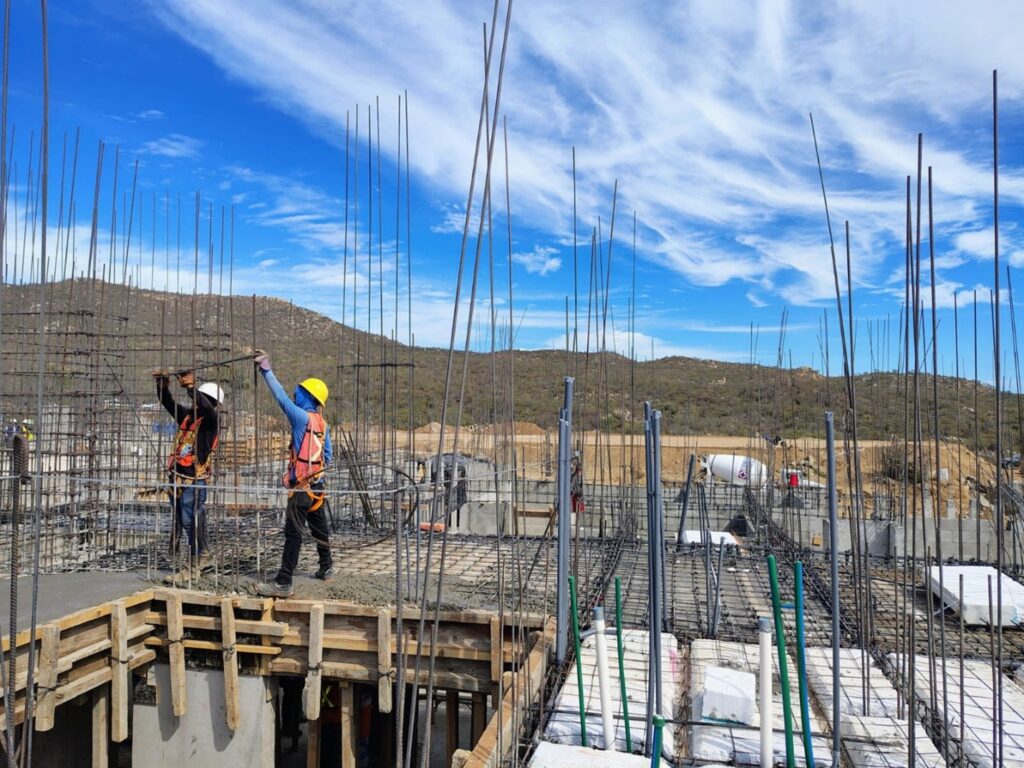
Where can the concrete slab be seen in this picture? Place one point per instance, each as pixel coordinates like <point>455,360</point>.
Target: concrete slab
<point>201,735</point>
<point>64,593</point>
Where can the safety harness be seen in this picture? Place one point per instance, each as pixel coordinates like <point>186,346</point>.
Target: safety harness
<point>307,464</point>
<point>184,454</point>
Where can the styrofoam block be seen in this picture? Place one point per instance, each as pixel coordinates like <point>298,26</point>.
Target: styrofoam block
<point>564,724</point>
<point>548,755</point>
<point>728,695</point>
<point>976,603</point>
<point>742,744</point>
<point>716,537</point>
<point>974,728</point>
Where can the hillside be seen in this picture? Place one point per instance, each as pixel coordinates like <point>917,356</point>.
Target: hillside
<point>142,329</point>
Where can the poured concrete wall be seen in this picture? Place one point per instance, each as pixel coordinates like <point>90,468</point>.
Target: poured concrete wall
<point>201,735</point>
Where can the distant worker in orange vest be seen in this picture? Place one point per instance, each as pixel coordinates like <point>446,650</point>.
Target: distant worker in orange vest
<point>190,463</point>
<point>308,458</point>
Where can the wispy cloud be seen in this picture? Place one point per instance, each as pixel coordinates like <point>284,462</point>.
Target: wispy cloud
<point>540,261</point>
<point>698,109</point>
<point>150,114</point>
<point>174,145</point>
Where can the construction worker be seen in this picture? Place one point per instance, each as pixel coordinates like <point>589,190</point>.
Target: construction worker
<point>190,462</point>
<point>308,458</point>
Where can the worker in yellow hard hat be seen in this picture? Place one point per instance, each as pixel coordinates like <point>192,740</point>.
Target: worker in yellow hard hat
<point>308,457</point>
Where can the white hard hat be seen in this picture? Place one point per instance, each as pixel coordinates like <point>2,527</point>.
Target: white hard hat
<point>212,391</point>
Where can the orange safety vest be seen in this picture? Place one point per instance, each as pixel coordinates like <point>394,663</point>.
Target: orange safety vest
<point>183,454</point>
<point>308,464</point>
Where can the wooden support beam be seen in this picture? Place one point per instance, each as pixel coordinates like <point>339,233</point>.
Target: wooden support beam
<point>313,744</point>
<point>266,616</point>
<point>311,691</point>
<point>384,684</point>
<point>100,734</point>
<point>176,652</point>
<point>478,717</point>
<point>451,712</point>
<point>120,688</point>
<point>227,625</point>
<point>49,657</point>
<point>244,626</point>
<point>496,649</point>
<point>349,731</point>
<point>500,736</point>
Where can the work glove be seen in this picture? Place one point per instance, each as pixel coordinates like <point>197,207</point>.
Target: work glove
<point>187,379</point>
<point>261,359</point>
<point>161,376</point>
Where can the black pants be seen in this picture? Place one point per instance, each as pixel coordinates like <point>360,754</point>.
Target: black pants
<point>298,513</point>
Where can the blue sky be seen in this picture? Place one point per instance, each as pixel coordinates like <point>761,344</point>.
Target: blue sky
<point>698,109</point>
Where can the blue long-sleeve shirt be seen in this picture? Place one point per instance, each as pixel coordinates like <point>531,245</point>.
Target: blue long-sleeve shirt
<point>297,412</point>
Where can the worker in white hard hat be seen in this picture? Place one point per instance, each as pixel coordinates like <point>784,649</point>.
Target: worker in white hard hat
<point>190,463</point>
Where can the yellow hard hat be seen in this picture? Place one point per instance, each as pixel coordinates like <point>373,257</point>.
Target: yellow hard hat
<point>317,389</point>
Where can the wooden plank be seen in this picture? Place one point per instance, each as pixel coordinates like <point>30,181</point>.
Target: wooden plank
<point>478,718</point>
<point>451,716</point>
<point>227,623</point>
<point>266,610</point>
<point>187,596</point>
<point>384,684</point>
<point>49,653</point>
<point>100,734</point>
<point>311,690</point>
<point>242,626</point>
<point>176,653</point>
<point>510,716</point>
<point>77,618</point>
<point>496,649</point>
<point>349,732</point>
<point>120,691</point>
<point>313,744</point>
<point>211,645</point>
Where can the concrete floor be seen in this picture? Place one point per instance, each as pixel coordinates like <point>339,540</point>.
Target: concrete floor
<point>64,593</point>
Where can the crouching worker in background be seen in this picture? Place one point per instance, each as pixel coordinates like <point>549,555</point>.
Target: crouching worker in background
<point>190,465</point>
<point>308,458</point>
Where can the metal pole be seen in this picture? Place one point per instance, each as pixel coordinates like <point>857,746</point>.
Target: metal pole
<point>681,535</point>
<point>564,513</point>
<point>651,592</point>
<point>833,543</point>
<point>622,671</point>
<point>764,628</point>
<point>659,517</point>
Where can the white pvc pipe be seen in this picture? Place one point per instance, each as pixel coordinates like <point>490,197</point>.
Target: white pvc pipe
<point>607,713</point>
<point>764,627</point>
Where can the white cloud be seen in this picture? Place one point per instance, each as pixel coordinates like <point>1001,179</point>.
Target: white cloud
<point>715,137</point>
<point>540,261</point>
<point>174,145</point>
<point>150,114</point>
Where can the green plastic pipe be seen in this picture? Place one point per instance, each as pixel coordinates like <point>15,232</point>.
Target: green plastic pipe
<point>780,641</point>
<point>579,666</point>
<point>622,664</point>
<point>659,724</point>
<point>801,662</point>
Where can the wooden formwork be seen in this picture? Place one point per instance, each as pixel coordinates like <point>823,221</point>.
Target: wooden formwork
<point>99,649</point>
